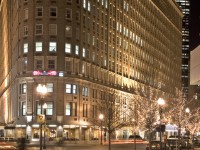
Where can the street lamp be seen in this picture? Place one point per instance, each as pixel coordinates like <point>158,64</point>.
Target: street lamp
<point>42,90</point>
<point>44,107</point>
<point>161,102</point>
<point>101,118</point>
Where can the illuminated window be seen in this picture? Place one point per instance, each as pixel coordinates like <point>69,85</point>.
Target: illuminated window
<point>52,46</point>
<point>89,6</point>
<point>25,47</point>
<point>71,109</point>
<point>67,48</point>
<point>49,87</point>
<point>38,46</point>
<point>84,3</point>
<point>85,91</point>
<point>23,88</point>
<point>77,50</point>
<point>84,52</point>
<point>49,110</point>
<point>23,108</point>
<point>71,89</point>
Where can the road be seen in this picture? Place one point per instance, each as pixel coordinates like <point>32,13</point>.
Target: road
<point>92,147</point>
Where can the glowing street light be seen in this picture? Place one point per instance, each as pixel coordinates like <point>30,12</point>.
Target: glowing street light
<point>101,118</point>
<point>160,102</point>
<point>42,90</point>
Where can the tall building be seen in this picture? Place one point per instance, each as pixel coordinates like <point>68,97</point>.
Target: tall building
<point>185,6</point>
<point>83,51</point>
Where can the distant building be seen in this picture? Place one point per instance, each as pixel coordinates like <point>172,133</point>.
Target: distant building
<point>84,51</point>
<point>185,6</point>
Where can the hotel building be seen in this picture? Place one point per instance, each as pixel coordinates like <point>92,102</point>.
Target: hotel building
<point>83,50</point>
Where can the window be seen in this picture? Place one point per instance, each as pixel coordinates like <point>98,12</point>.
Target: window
<point>38,46</point>
<point>25,30</point>
<point>85,91</point>
<point>68,14</point>
<point>26,13</point>
<point>49,87</point>
<point>24,64</point>
<point>68,64</point>
<point>53,29</point>
<point>52,46</point>
<point>77,50</point>
<point>68,109</point>
<point>77,16</point>
<point>38,29</point>
<point>71,109</point>
<point>71,89</point>
<point>89,6</point>
<point>84,3</point>
<point>53,12</point>
<point>23,108</point>
<point>85,110</point>
<point>39,12</point>
<point>67,48</point>
<point>68,31</point>
<point>84,52</point>
<point>49,110</point>
<point>23,88</point>
<point>39,65</point>
<point>51,64</point>
<point>25,47</point>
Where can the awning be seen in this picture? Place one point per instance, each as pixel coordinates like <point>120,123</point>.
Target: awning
<point>9,127</point>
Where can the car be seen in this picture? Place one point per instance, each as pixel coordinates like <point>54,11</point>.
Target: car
<point>155,145</point>
<point>196,141</point>
<point>136,138</point>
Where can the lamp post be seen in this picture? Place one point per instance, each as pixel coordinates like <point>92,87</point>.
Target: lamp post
<point>42,90</point>
<point>101,118</point>
<point>161,102</point>
<point>44,107</point>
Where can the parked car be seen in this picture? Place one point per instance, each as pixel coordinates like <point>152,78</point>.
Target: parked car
<point>196,141</point>
<point>135,137</point>
<point>155,145</point>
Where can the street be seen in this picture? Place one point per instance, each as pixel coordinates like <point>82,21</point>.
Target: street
<point>92,147</point>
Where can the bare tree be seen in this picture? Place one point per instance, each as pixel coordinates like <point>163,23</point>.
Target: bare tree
<point>114,111</point>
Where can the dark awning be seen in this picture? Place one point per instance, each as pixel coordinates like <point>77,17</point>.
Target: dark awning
<point>9,127</point>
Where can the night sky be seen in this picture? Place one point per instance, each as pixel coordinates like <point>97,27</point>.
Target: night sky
<point>194,24</point>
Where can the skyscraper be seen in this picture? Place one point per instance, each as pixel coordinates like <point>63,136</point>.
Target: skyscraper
<point>85,52</point>
<point>185,6</point>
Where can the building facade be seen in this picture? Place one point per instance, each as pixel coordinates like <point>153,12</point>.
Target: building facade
<point>185,6</point>
<point>83,50</point>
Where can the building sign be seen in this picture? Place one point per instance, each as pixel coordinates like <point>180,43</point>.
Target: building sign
<point>45,73</point>
<point>40,118</point>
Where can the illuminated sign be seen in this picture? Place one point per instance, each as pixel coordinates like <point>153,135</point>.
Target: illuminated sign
<point>45,73</point>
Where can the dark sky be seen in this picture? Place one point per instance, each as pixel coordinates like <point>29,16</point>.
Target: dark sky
<point>194,23</point>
